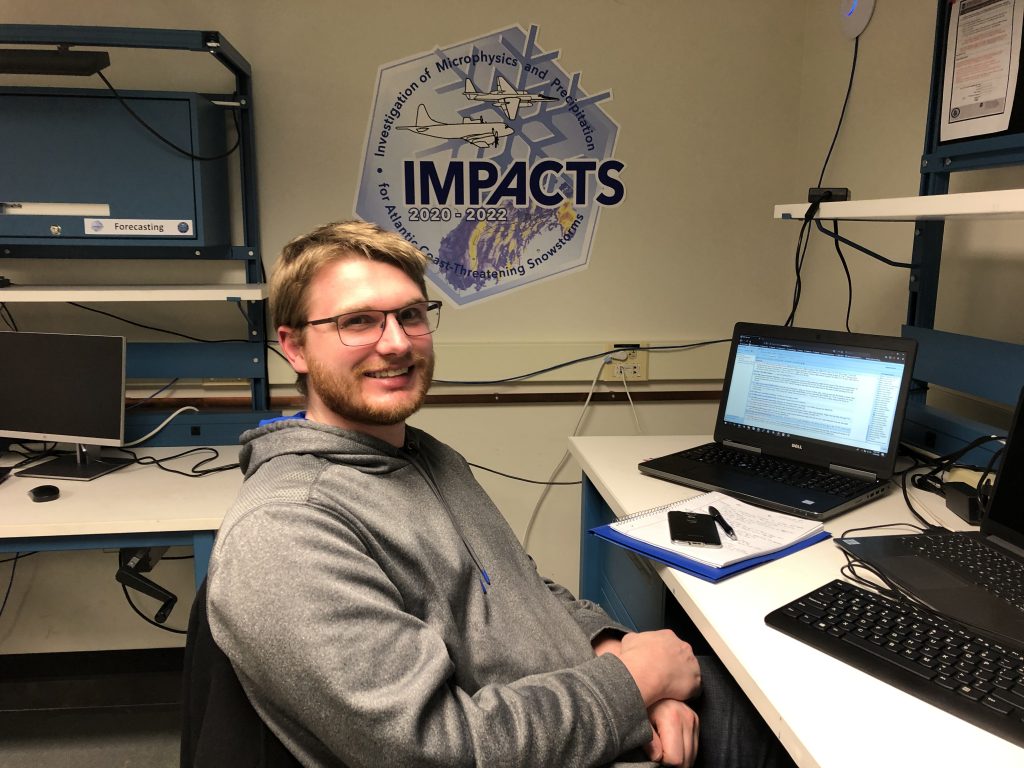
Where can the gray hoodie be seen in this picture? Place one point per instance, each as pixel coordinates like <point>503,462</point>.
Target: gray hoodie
<point>348,588</point>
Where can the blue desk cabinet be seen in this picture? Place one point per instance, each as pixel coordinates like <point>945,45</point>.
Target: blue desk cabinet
<point>624,584</point>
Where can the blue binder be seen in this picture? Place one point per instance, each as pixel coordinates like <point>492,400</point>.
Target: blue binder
<point>692,567</point>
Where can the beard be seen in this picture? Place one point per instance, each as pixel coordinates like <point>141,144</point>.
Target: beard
<point>343,395</point>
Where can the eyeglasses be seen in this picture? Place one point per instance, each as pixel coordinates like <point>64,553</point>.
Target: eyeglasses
<point>361,329</point>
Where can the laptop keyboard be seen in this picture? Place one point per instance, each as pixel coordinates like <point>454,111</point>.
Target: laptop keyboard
<point>990,569</point>
<point>780,470</point>
<point>958,670</point>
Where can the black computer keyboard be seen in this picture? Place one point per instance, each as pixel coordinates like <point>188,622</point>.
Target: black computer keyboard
<point>956,669</point>
<point>789,472</point>
<point>980,564</point>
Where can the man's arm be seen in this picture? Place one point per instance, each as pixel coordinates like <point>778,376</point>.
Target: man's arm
<point>589,615</point>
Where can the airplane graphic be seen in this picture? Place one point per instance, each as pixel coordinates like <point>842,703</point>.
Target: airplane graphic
<point>476,132</point>
<point>506,97</point>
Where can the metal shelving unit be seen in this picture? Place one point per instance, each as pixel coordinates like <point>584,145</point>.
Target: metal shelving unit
<point>993,370</point>
<point>244,359</point>
<point>997,204</point>
<point>26,294</point>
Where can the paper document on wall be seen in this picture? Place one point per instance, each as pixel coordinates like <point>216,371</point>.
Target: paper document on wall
<point>982,62</point>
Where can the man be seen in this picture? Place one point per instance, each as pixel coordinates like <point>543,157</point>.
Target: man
<point>376,606</point>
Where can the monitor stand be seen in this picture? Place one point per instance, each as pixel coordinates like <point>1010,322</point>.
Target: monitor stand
<point>84,464</point>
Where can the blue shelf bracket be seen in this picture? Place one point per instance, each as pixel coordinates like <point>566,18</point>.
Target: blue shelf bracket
<point>972,365</point>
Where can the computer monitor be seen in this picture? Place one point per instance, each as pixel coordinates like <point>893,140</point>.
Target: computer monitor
<point>64,388</point>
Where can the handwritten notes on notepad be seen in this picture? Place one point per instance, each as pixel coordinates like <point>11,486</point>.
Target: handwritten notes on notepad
<point>758,531</point>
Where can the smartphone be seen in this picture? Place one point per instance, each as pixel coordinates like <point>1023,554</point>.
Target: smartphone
<point>693,528</point>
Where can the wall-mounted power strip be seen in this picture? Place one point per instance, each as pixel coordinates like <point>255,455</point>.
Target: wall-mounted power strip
<point>627,361</point>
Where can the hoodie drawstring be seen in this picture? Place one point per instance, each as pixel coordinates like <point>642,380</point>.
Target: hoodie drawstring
<point>414,458</point>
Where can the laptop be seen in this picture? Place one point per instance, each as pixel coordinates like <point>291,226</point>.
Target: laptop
<point>809,421</point>
<point>930,567</point>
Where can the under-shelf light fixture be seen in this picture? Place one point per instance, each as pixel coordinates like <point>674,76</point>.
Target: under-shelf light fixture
<point>52,61</point>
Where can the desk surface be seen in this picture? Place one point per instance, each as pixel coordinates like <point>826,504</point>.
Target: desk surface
<point>825,712</point>
<point>136,499</point>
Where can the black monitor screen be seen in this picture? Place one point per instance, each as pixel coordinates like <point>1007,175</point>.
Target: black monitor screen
<point>59,387</point>
<point>1006,508</point>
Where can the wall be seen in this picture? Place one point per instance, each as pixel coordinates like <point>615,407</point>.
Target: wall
<point>725,109</point>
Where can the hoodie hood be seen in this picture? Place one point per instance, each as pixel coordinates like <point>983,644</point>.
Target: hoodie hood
<point>301,436</point>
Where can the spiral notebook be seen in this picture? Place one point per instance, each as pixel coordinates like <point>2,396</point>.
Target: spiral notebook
<point>761,535</point>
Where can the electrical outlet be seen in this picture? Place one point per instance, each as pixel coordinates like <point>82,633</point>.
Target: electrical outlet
<point>632,366</point>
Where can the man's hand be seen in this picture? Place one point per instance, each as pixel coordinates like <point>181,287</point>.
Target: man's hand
<point>676,732</point>
<point>662,665</point>
<point>676,726</point>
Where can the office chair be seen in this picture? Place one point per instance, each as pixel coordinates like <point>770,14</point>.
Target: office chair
<point>220,727</point>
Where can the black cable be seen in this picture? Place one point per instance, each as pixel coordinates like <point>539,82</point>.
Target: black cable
<point>10,583</point>
<point>197,468</point>
<point>523,479</point>
<point>929,481</point>
<point>944,463</point>
<point>153,327</point>
<point>910,506</point>
<point>849,280</point>
<point>171,144</point>
<point>584,359</point>
<point>866,251</point>
<point>948,458</point>
<point>166,386</point>
<point>18,556</point>
<point>170,333</point>
<point>805,229</point>
<point>7,317</point>
<point>146,618</point>
<point>984,476</point>
<point>842,114</point>
<point>238,304</point>
<point>28,455</point>
<point>904,596</point>
<point>848,531</point>
<point>888,588</point>
<point>802,240</point>
<point>526,375</point>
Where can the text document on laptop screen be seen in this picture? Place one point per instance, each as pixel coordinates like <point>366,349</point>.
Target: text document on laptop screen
<point>837,396</point>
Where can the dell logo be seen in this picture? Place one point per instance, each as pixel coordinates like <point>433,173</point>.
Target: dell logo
<point>797,446</point>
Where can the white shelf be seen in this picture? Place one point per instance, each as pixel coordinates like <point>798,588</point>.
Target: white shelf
<point>49,293</point>
<point>996,204</point>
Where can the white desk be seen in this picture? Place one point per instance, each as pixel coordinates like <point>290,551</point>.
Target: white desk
<point>825,712</point>
<point>137,506</point>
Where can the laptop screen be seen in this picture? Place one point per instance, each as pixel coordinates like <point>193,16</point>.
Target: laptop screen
<point>818,396</point>
<point>826,392</point>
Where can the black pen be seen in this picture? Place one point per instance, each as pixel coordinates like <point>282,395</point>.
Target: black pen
<point>721,521</point>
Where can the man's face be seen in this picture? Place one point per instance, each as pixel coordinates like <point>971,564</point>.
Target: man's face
<point>372,388</point>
